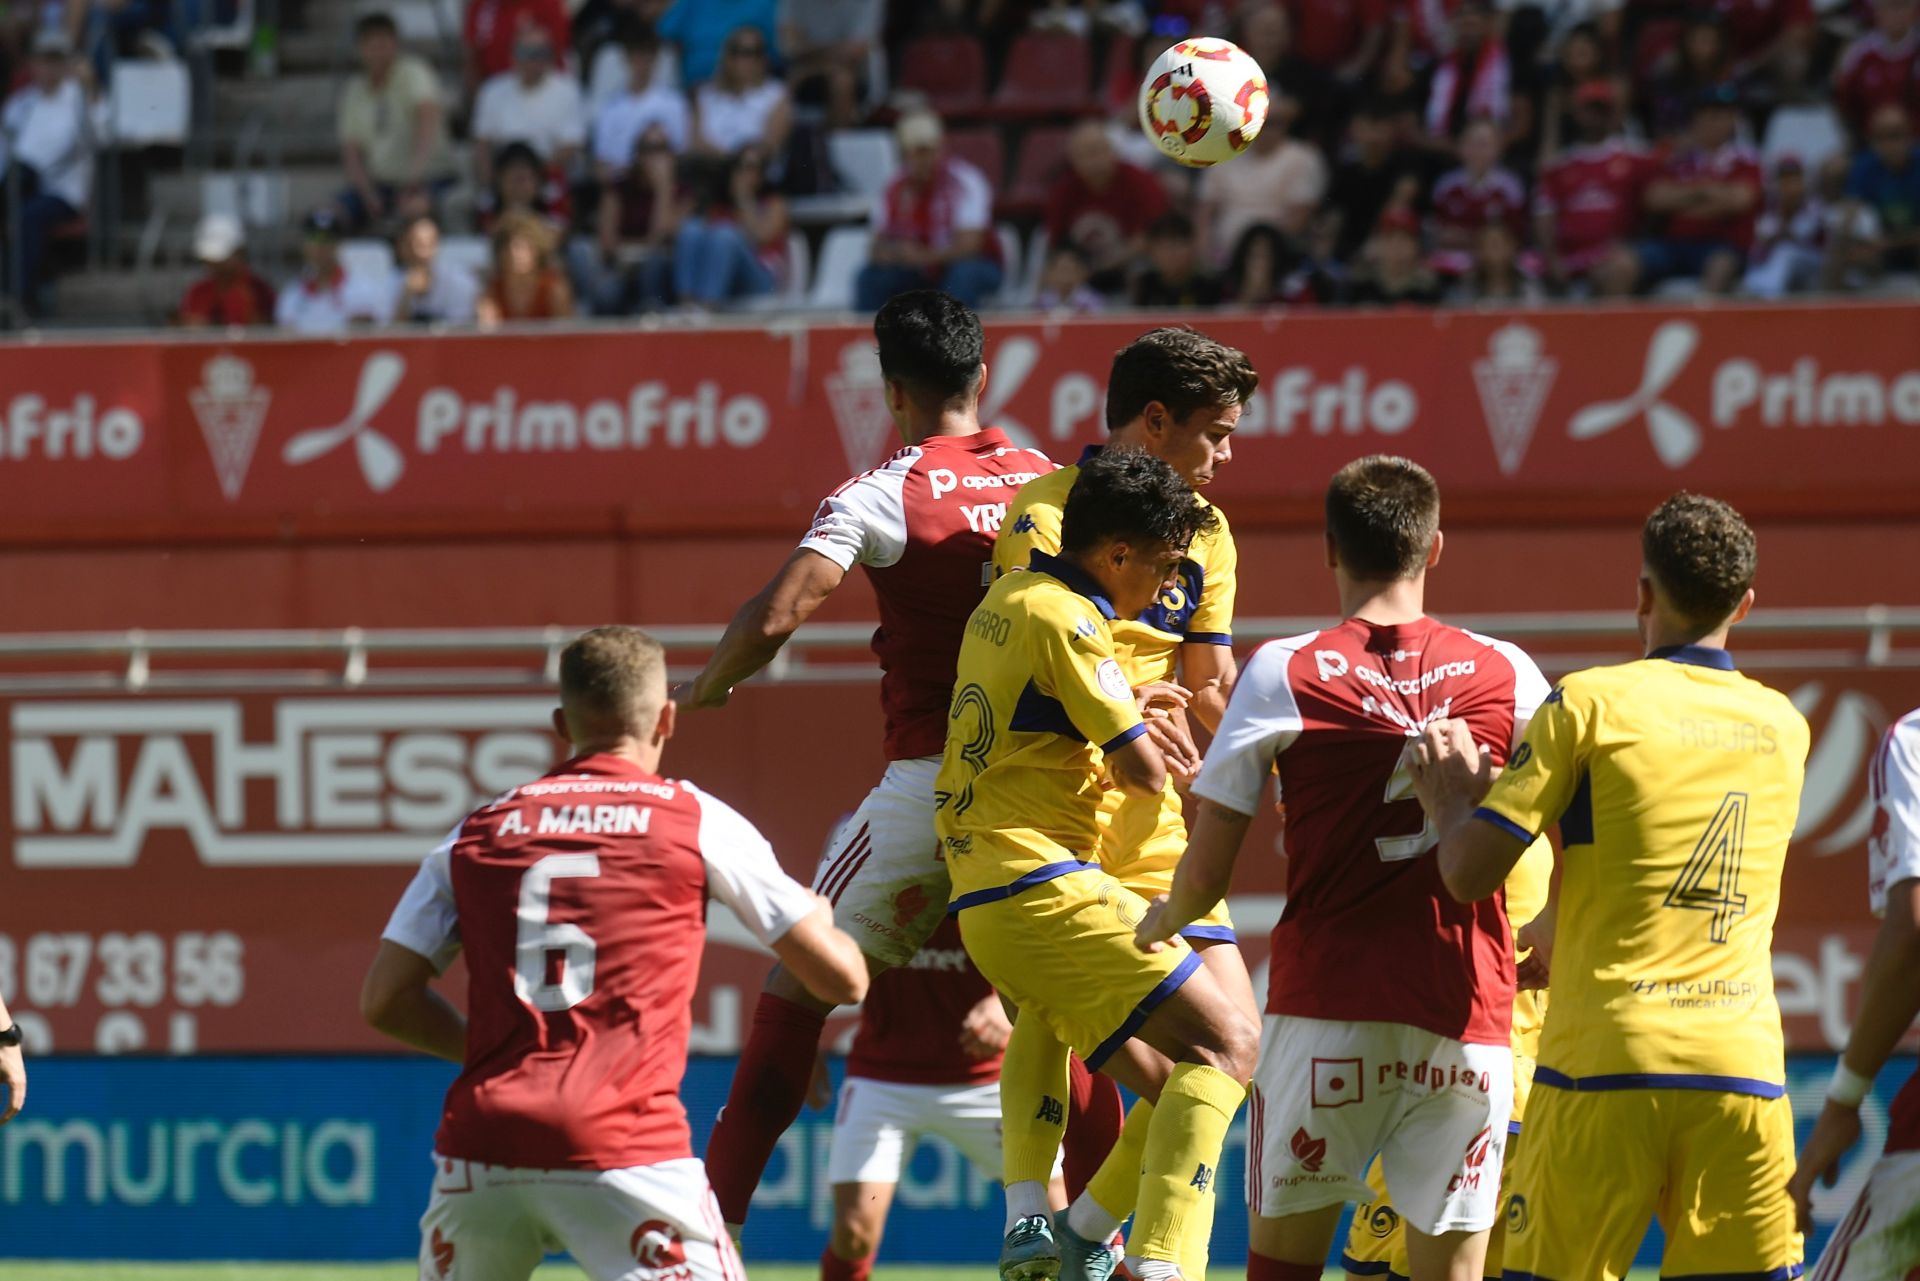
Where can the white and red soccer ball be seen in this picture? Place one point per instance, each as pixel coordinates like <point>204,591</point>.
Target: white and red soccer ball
<point>1203,101</point>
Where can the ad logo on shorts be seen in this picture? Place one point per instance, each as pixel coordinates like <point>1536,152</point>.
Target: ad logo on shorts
<point>1474,1163</point>
<point>1382,1220</point>
<point>442,1250</point>
<point>1307,1150</point>
<point>1337,1082</point>
<point>657,1247</point>
<point>1517,1217</point>
<point>908,904</point>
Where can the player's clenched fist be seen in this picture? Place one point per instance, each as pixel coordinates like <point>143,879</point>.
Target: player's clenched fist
<point>1450,772</point>
<point>1163,706</point>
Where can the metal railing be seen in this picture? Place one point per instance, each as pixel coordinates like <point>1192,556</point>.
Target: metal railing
<point>136,660</point>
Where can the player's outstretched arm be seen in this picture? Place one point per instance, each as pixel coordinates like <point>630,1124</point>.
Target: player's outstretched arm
<point>1889,1001</point>
<point>397,1000</point>
<point>825,959</point>
<point>763,625</point>
<point>1201,879</point>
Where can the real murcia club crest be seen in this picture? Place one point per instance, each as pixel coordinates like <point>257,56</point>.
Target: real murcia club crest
<point>230,409</point>
<point>859,399</point>
<point>1513,379</point>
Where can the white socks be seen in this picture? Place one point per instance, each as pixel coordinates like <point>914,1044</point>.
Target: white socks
<point>1090,1221</point>
<point>1025,1199</point>
<point>1153,1269</point>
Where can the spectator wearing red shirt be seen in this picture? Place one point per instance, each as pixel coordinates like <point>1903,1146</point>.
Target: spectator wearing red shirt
<point>230,293</point>
<point>1769,42</point>
<point>1880,68</point>
<point>1709,194</point>
<point>493,26</point>
<point>1587,202</point>
<point>1466,199</point>
<point>1103,205</point>
<point>1473,81</point>
<point>1344,37</point>
<point>932,226</point>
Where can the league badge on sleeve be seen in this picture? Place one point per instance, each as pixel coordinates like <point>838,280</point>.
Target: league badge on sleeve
<point>1113,682</point>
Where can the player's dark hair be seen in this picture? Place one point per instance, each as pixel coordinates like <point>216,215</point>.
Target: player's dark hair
<point>1383,514</point>
<point>1130,496</point>
<point>375,24</point>
<point>1702,554</point>
<point>1183,369</point>
<point>608,674</point>
<point>931,344</point>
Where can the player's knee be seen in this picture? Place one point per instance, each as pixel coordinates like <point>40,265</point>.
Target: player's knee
<point>852,1240</point>
<point>1232,1047</point>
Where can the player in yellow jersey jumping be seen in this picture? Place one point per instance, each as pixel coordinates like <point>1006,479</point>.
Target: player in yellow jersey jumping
<point>1044,723</point>
<point>1175,394</point>
<point>1661,1085</point>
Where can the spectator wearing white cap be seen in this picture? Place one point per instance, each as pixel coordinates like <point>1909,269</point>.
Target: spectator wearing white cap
<point>932,226</point>
<point>51,124</point>
<point>324,299</point>
<point>230,293</point>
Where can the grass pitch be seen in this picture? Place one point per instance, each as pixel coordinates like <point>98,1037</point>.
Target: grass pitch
<point>36,1271</point>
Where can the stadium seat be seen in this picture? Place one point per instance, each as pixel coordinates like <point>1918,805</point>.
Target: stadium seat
<point>256,199</point>
<point>842,254</point>
<point>1017,261</point>
<point>1042,152</point>
<point>368,258</point>
<point>980,147</point>
<point>467,253</point>
<point>864,160</point>
<point>950,71</point>
<point>150,104</point>
<point>1120,73</point>
<point>1813,133</point>
<point>1046,77</point>
<point>1028,289</point>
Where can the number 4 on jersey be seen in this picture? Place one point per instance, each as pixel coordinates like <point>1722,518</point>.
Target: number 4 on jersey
<point>1710,882</point>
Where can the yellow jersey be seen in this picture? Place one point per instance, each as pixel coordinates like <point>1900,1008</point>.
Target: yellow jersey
<point>1197,610</point>
<point>1676,783</point>
<point>1038,697</point>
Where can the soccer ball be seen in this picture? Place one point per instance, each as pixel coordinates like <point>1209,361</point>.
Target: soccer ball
<point>1203,101</point>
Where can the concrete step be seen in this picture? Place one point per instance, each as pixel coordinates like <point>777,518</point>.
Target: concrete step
<point>108,297</point>
<point>307,186</point>
<point>293,102</point>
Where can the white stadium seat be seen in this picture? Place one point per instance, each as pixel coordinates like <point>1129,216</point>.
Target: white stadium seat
<point>864,160</point>
<point>1812,133</point>
<point>842,254</point>
<point>150,104</point>
<point>467,253</point>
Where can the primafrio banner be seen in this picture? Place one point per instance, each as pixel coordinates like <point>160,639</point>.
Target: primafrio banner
<point>211,873</point>
<point>1786,409</point>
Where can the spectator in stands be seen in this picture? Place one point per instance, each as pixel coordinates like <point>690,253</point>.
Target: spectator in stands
<point>1257,272</point>
<point>1066,283</point>
<point>1173,280</point>
<point>743,104</point>
<point>1696,65</point>
<point>1266,33</point>
<point>532,103</point>
<point>1496,272</point>
<point>230,294</point>
<point>701,28</point>
<point>523,185</point>
<point>1881,67</point>
<point>1708,193</point>
<point>1279,182</point>
<point>1103,205</point>
<point>1392,274</point>
<point>1769,46</point>
<point>645,104</point>
<point>627,263</point>
<point>735,245</point>
<point>324,299</point>
<point>1885,178</point>
<point>393,129</point>
<point>600,31</point>
<point>1789,240</point>
<point>829,48</point>
<point>1472,81</point>
<point>1375,174</point>
<point>1582,61</point>
<point>933,225</point>
<point>494,29</point>
<point>1466,199</point>
<point>1587,202</point>
<point>425,289</point>
<point>51,123</point>
<point>1343,37</point>
<point>527,283</point>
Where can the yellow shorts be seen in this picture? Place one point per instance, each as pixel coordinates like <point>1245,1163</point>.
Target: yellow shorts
<point>1597,1165</point>
<point>1063,952</point>
<point>1142,840</point>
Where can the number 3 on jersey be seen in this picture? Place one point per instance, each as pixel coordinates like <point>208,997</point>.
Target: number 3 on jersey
<point>536,980</point>
<point>1398,849</point>
<point>1710,882</point>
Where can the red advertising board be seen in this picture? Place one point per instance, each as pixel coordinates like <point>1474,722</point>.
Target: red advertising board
<point>211,871</point>
<point>1788,409</point>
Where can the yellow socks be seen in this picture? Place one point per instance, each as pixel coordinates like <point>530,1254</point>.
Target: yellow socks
<point>1182,1158</point>
<point>1033,1103</point>
<point>1115,1186</point>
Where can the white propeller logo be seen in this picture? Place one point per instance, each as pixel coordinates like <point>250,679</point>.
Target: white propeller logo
<point>1676,437</point>
<point>1013,362</point>
<point>380,459</point>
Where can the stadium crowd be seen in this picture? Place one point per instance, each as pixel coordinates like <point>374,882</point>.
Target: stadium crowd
<point>636,155</point>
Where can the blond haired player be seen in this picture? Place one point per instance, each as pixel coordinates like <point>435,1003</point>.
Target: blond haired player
<point>1675,780</point>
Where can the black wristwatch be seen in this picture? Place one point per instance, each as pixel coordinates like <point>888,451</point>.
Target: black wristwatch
<point>12,1036</point>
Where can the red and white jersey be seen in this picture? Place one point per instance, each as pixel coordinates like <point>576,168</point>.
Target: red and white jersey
<point>1593,193</point>
<point>1893,855</point>
<point>580,900</point>
<point>922,524</point>
<point>1733,163</point>
<point>1462,201</point>
<point>910,1024</point>
<point>1370,934</point>
<point>1876,71</point>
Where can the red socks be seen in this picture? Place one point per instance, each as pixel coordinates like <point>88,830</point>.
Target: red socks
<point>1261,1268</point>
<point>1094,1117</point>
<point>835,1268</point>
<point>769,1088</point>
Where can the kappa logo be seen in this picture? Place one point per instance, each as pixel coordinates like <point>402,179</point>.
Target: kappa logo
<point>381,462</point>
<point>1308,1151</point>
<point>658,1247</point>
<point>1513,379</point>
<point>1676,437</point>
<point>230,409</point>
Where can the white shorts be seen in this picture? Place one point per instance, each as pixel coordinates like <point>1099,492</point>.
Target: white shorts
<point>1327,1096</point>
<point>877,1123</point>
<point>645,1223</point>
<point>882,869</point>
<point>1879,1240</point>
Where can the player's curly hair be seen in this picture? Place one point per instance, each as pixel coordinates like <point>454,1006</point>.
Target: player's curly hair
<point>1183,369</point>
<point>1383,514</point>
<point>1132,497</point>
<point>611,674</point>
<point>1701,554</point>
<point>930,343</point>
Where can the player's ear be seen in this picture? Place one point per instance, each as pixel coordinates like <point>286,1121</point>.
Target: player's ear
<point>1433,552</point>
<point>1643,596</point>
<point>1741,610</point>
<point>1158,421</point>
<point>664,726</point>
<point>560,726</point>
<point>1333,557</point>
